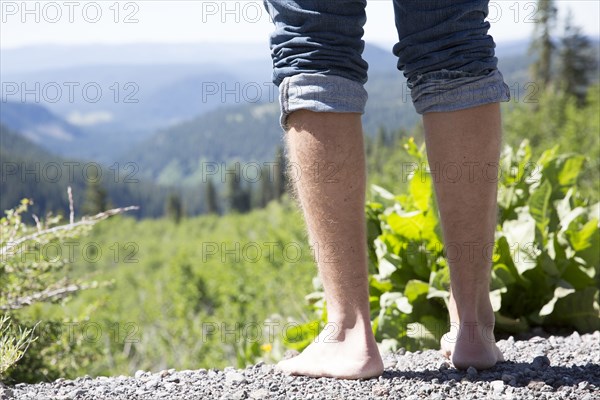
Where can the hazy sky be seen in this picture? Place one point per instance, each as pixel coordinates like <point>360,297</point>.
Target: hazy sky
<point>108,21</point>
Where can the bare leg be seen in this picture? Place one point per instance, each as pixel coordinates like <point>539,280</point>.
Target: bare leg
<point>328,149</point>
<point>467,141</point>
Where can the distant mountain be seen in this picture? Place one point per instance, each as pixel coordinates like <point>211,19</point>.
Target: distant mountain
<point>151,94</point>
<point>179,155</point>
<point>39,125</point>
<point>30,171</point>
<point>130,97</point>
<point>49,57</point>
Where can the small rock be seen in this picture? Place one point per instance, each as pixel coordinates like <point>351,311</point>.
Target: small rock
<point>497,387</point>
<point>259,394</point>
<point>266,369</point>
<point>536,385</point>
<point>5,392</point>
<point>541,362</point>
<point>234,378</point>
<point>239,395</point>
<point>547,388</point>
<point>507,378</point>
<point>456,377</point>
<point>583,385</point>
<point>380,390</point>
<point>139,374</point>
<point>426,388</point>
<point>152,383</point>
<point>472,372</point>
<point>443,366</point>
<point>74,394</point>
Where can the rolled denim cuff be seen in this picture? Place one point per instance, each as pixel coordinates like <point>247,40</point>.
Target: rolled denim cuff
<point>320,93</point>
<point>445,90</point>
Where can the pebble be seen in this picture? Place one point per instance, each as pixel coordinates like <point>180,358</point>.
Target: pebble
<point>259,394</point>
<point>541,362</point>
<point>234,378</point>
<point>139,374</point>
<point>526,375</point>
<point>472,372</point>
<point>497,387</point>
<point>380,390</point>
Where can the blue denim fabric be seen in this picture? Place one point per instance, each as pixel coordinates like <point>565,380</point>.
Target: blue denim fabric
<point>443,49</point>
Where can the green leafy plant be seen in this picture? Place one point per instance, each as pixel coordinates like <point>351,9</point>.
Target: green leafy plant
<point>32,349</point>
<point>545,262</point>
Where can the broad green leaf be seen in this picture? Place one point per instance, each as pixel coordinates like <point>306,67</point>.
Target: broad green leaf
<point>496,298</point>
<point>417,258</point>
<point>571,168</point>
<point>548,265</point>
<point>415,288</point>
<point>576,275</point>
<point>379,285</point>
<point>583,238</point>
<point>426,332</point>
<point>403,305</point>
<point>409,225</point>
<point>397,299</point>
<point>520,237</point>
<point>563,206</point>
<point>389,298</point>
<point>559,293</point>
<point>579,310</point>
<point>547,156</point>
<point>503,255</point>
<point>391,244</point>
<point>432,231</point>
<point>420,189</point>
<point>386,268</point>
<point>539,207</point>
<point>503,273</point>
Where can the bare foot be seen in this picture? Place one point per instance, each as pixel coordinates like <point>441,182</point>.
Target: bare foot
<point>471,344</point>
<point>337,352</point>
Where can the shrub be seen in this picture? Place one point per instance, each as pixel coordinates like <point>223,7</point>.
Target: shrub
<point>545,263</point>
<point>33,349</point>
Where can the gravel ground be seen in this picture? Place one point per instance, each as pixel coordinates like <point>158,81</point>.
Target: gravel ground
<point>555,367</point>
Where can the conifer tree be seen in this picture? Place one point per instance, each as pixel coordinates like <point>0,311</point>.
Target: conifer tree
<point>577,61</point>
<point>542,47</point>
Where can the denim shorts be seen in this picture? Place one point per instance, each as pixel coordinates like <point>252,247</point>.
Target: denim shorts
<point>443,49</point>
